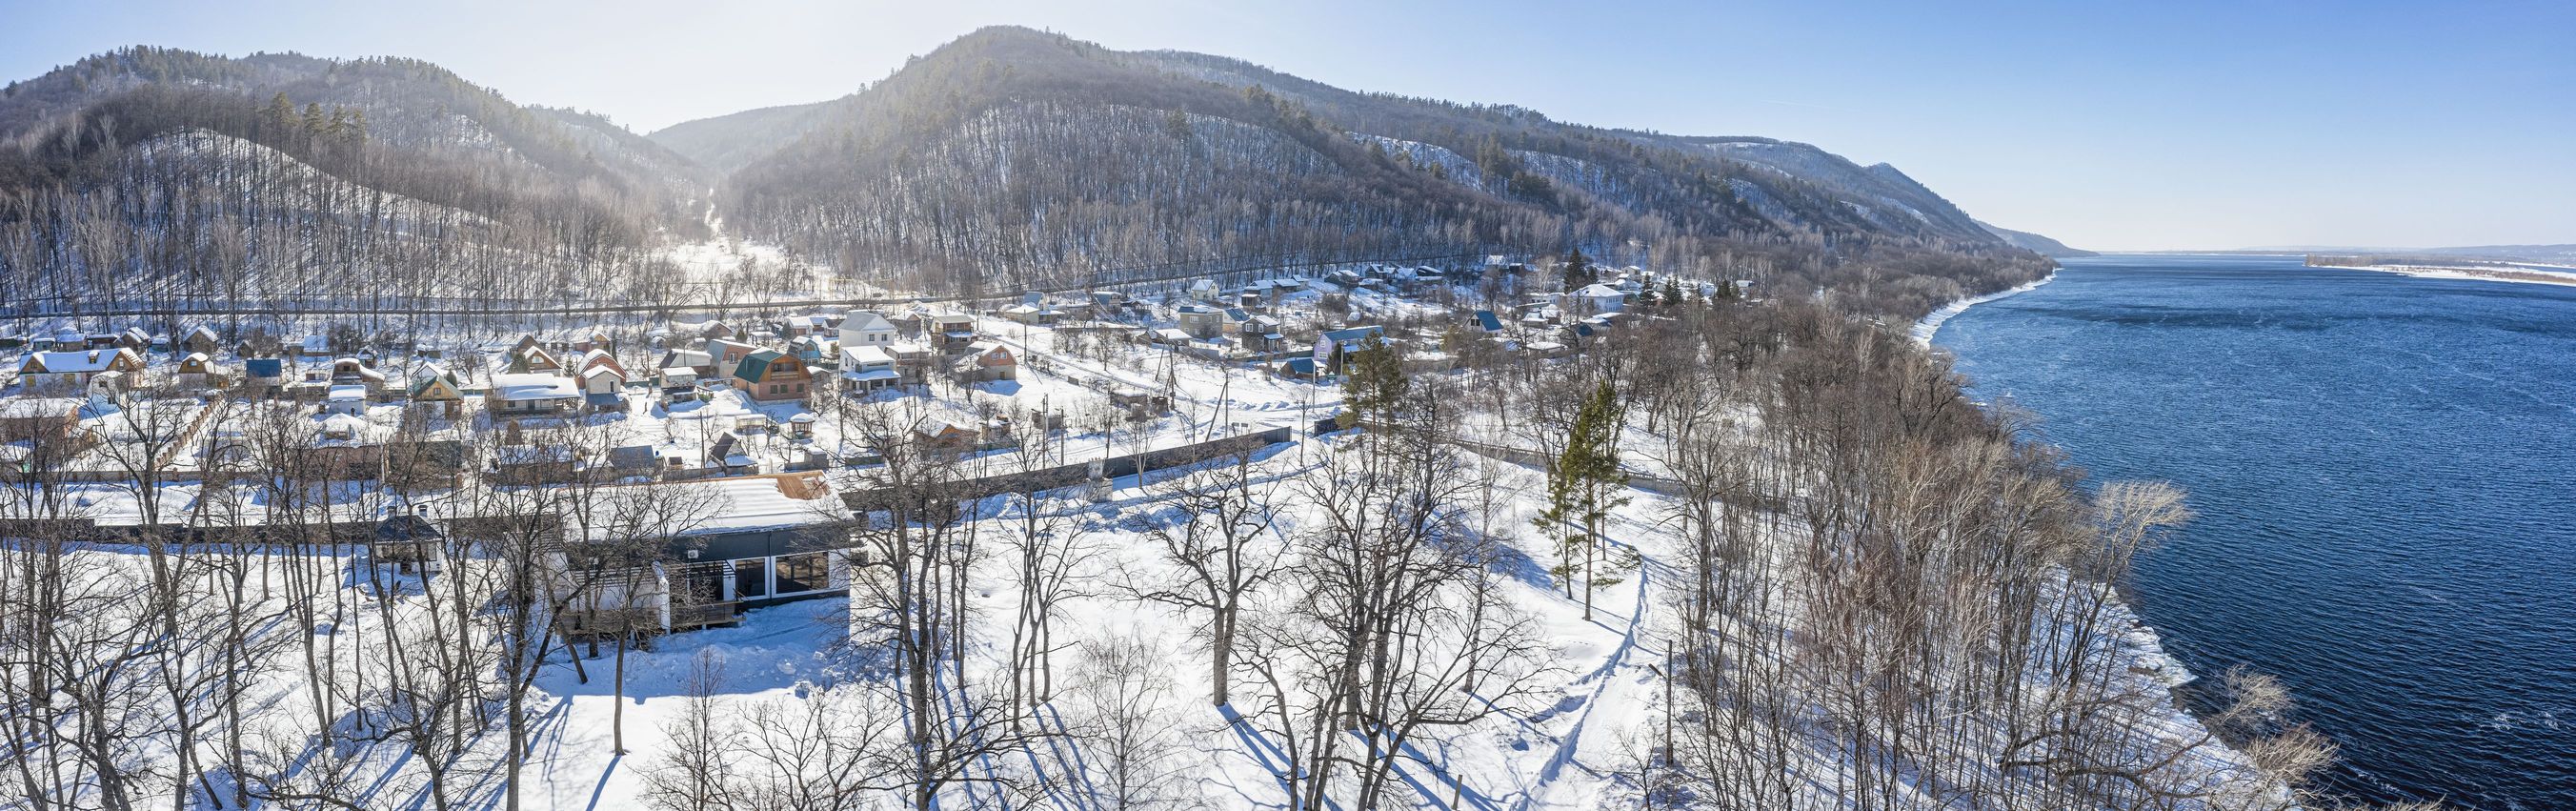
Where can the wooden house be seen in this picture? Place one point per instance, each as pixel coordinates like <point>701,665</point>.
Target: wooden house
<point>198,371</point>
<point>36,419</point>
<point>985,362</point>
<point>201,339</point>
<point>436,394</point>
<point>773,376</point>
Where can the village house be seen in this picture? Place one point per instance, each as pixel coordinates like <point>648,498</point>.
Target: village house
<point>347,446</point>
<point>868,367</point>
<point>866,328</point>
<point>986,362</point>
<point>951,333</point>
<point>725,355</point>
<point>347,399</point>
<point>773,376</point>
<point>603,381</point>
<point>198,371</point>
<point>694,360</point>
<point>36,419</point>
<point>74,370</point>
<point>529,358</point>
<point>355,372</point>
<point>810,348</point>
<point>523,465</point>
<point>1335,346</point>
<point>530,395</point>
<point>1595,298</point>
<point>201,339</point>
<point>436,394</point>
<point>589,340</point>
<point>1199,321</point>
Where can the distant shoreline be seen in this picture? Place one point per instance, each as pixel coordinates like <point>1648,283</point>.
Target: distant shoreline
<point>2516,273</point>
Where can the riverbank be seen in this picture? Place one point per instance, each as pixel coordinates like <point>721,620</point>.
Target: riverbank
<point>2145,663</point>
<point>1930,324</point>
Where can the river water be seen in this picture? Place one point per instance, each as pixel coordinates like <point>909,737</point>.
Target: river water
<point>2384,471</point>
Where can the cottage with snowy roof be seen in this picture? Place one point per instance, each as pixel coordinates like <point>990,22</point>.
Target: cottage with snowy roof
<point>201,339</point>
<point>523,394</point>
<point>198,371</point>
<point>603,381</point>
<point>1595,298</point>
<point>25,419</point>
<point>73,370</point>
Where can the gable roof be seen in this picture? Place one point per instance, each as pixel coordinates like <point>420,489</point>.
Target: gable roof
<point>865,354</point>
<point>1487,320</point>
<point>78,361</point>
<point>1353,334</point>
<point>865,321</point>
<point>755,366</point>
<point>435,378</point>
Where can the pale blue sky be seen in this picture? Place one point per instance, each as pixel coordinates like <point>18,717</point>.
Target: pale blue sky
<point>2107,125</point>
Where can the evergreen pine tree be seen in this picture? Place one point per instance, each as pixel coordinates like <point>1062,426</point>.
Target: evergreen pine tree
<point>1372,382</point>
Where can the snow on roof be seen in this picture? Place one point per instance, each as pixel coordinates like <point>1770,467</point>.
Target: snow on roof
<point>687,357</point>
<point>865,321</point>
<point>534,387</point>
<point>751,503</point>
<point>1599,290</point>
<point>38,407</point>
<point>865,354</point>
<point>77,361</point>
<point>346,393</point>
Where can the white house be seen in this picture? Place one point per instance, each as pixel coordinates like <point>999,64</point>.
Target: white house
<point>866,328</point>
<point>1596,298</point>
<point>868,367</point>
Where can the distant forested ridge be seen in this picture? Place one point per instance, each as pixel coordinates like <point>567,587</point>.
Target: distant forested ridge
<point>165,175</point>
<point>1006,160</point>
<point>2044,246</point>
<point>1014,158</point>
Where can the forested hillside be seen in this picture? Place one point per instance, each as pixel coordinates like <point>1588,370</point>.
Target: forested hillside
<point>727,142</point>
<point>159,175</point>
<point>1012,158</point>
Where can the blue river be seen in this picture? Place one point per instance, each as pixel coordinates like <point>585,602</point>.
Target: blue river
<point>2384,474</point>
